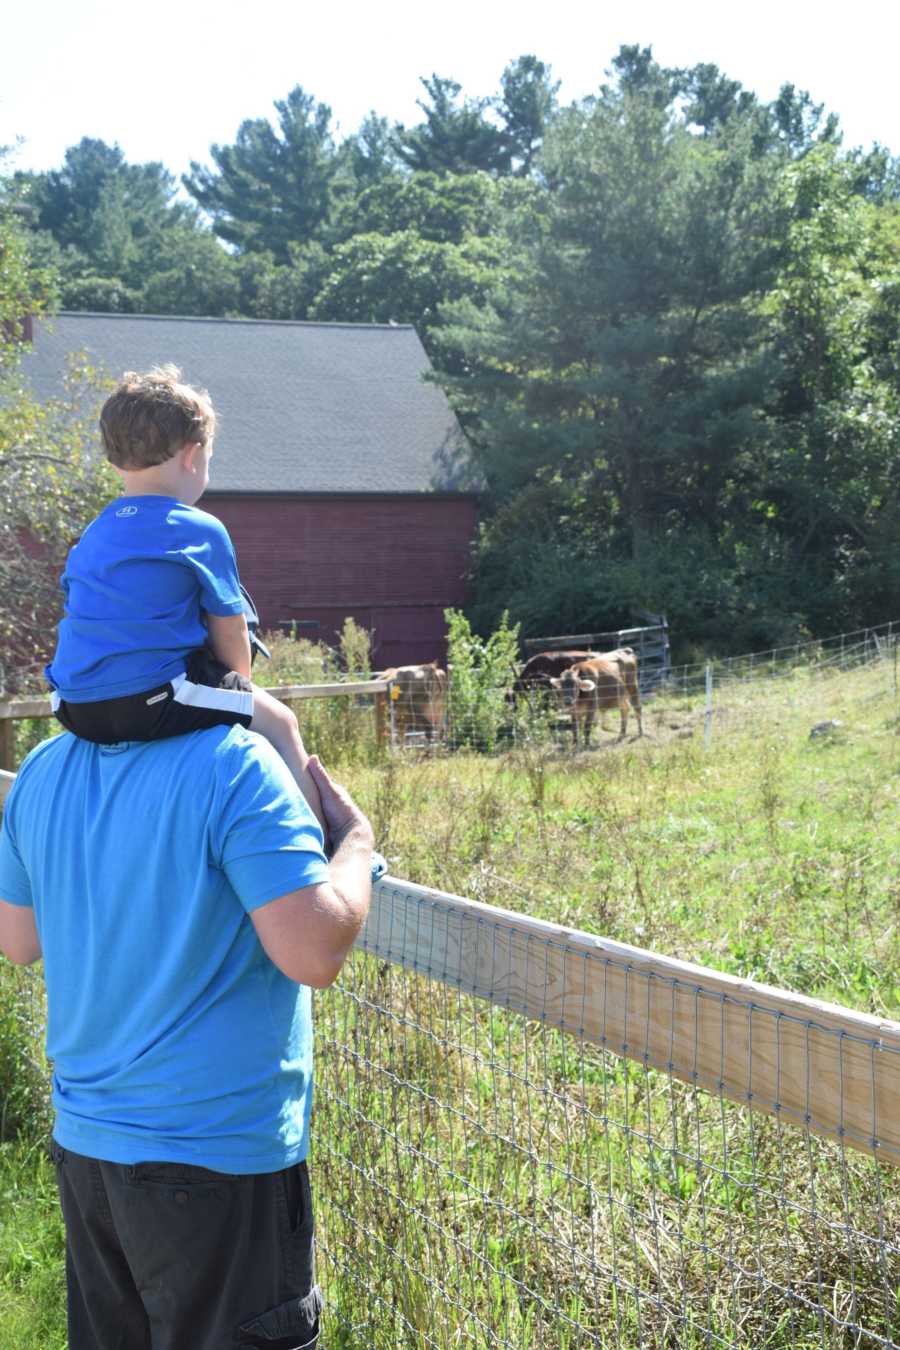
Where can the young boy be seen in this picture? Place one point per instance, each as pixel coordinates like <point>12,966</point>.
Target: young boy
<point>154,642</point>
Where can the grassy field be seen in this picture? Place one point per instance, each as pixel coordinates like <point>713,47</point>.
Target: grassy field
<point>770,854</point>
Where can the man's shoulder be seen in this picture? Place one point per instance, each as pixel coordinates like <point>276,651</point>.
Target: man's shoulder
<point>237,746</point>
<point>43,764</point>
<point>52,750</point>
<point>228,748</point>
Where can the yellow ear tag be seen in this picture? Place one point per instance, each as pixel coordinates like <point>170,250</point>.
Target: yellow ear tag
<point>395,692</point>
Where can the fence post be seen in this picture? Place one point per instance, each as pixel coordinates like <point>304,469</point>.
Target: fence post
<point>707,717</point>
<point>7,744</point>
<point>380,720</point>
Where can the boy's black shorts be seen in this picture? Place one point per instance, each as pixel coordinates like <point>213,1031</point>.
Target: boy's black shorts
<point>207,695</point>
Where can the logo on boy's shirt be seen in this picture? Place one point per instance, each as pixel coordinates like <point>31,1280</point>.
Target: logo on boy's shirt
<point>127,511</point>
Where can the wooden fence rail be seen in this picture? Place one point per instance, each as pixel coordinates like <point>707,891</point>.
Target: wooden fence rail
<point>828,1069</point>
<point>17,710</point>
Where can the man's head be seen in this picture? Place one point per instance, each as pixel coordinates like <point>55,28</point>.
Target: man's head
<point>152,416</point>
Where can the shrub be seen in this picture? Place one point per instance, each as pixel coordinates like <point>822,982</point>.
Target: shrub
<point>339,730</point>
<point>481,673</point>
<point>356,649</point>
<point>295,661</point>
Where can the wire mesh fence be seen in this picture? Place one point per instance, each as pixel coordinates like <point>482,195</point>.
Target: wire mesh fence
<point>525,1137</point>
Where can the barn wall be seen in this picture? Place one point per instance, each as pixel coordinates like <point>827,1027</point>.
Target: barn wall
<point>392,563</point>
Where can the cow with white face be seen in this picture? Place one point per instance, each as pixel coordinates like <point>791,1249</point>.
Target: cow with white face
<point>590,687</point>
<point>418,698</point>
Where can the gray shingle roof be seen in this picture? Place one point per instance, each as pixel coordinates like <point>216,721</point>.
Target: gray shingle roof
<point>303,407</point>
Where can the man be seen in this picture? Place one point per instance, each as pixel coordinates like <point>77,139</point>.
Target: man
<point>178,893</point>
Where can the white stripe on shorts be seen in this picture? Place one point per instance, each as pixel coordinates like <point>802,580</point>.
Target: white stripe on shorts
<point>205,696</point>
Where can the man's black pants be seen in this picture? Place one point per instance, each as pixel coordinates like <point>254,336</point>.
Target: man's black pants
<point>167,1256</point>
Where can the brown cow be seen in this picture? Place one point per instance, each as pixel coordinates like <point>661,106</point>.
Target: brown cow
<point>592,686</point>
<point>418,698</point>
<point>539,669</point>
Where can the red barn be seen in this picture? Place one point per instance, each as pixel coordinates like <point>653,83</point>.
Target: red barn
<point>335,464</point>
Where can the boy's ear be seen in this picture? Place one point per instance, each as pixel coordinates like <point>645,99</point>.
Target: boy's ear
<point>188,454</point>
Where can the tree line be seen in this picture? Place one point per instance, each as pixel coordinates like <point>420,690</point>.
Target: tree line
<point>666,314</point>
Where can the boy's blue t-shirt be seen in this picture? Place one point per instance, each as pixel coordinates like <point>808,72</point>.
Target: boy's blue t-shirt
<point>135,585</point>
<point>172,1034</point>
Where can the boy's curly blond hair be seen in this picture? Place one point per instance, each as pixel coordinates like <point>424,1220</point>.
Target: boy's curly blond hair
<point>151,416</point>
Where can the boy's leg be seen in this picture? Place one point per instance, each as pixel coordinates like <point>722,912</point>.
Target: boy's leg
<point>278,724</point>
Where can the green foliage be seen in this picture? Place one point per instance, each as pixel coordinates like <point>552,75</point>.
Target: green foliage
<point>32,1250</point>
<point>24,1104</point>
<point>445,210</point>
<point>272,188</point>
<point>341,730</point>
<point>527,104</point>
<point>455,137</point>
<point>120,239</point>
<point>52,479</point>
<point>295,660</point>
<point>356,649</point>
<point>401,277</point>
<point>481,671</point>
<point>685,375</point>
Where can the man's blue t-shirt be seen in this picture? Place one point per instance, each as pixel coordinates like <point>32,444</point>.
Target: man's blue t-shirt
<point>172,1034</point>
<point>135,585</point>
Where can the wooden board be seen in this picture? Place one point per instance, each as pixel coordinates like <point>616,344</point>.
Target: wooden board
<point>7,746</point>
<point>6,782</point>
<point>289,692</point>
<point>15,709</point>
<point>813,1063</point>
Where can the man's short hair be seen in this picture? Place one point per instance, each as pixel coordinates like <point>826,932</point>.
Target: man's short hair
<point>151,416</point>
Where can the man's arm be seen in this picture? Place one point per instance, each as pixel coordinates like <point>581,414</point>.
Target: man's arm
<point>19,939</point>
<point>308,933</point>
<point>230,641</point>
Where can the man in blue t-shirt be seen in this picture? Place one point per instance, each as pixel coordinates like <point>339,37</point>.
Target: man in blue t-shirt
<point>179,896</point>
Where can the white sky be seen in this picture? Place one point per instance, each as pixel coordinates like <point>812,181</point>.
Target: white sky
<point>167,79</point>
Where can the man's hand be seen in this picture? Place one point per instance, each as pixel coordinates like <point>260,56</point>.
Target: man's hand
<point>342,815</point>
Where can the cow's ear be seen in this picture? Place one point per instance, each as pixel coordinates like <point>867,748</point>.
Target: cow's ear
<point>557,684</point>
<point>587,686</point>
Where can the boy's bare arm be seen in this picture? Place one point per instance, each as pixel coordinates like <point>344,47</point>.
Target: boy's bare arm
<point>230,641</point>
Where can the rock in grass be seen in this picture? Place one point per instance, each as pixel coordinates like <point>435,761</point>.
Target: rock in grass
<point>824,729</point>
